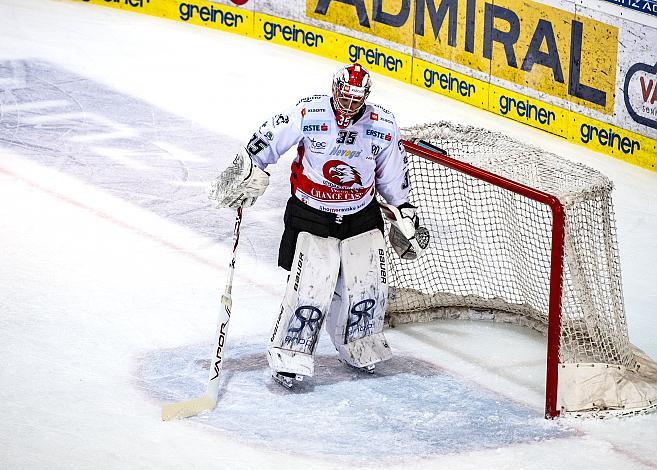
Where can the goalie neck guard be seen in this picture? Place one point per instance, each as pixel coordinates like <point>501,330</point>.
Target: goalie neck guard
<point>351,87</point>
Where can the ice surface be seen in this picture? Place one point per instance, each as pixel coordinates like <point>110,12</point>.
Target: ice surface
<point>113,263</point>
<point>407,397</point>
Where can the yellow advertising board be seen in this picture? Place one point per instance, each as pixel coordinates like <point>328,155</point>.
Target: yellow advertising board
<point>449,83</point>
<point>294,34</point>
<point>334,46</point>
<point>375,58</point>
<point>544,48</point>
<point>198,12</point>
<point>611,140</point>
<point>552,51</point>
<point>385,19</point>
<point>528,111</point>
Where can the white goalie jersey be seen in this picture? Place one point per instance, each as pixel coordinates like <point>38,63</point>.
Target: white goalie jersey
<point>336,169</point>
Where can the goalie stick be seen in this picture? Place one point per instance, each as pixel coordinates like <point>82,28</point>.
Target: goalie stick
<point>208,401</point>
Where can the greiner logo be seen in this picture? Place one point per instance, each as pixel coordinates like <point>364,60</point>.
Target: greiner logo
<point>132,3</point>
<point>447,82</point>
<point>608,138</point>
<point>214,15</point>
<point>292,33</point>
<point>374,57</point>
<point>526,109</point>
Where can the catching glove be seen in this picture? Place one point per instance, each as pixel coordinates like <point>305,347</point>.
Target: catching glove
<point>240,184</point>
<point>407,237</point>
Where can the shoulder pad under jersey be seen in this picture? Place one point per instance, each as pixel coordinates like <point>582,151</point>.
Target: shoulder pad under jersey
<point>311,98</point>
<point>381,113</point>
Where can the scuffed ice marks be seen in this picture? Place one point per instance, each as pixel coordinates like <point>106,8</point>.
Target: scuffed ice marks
<point>407,409</point>
<point>162,162</point>
<point>123,145</point>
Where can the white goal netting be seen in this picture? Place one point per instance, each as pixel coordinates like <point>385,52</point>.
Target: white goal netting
<point>490,257</point>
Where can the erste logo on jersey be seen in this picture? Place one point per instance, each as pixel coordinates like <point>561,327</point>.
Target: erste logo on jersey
<point>341,174</point>
<point>316,126</point>
<point>379,134</point>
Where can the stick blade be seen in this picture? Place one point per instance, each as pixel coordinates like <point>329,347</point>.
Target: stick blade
<point>187,408</point>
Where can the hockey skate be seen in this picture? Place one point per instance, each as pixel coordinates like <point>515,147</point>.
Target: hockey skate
<point>368,368</point>
<point>286,379</point>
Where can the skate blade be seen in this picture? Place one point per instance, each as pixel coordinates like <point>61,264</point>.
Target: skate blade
<point>287,382</point>
<point>369,369</point>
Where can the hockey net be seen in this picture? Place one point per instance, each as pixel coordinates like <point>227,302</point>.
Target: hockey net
<point>520,235</point>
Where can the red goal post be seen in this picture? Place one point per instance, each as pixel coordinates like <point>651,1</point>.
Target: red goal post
<point>520,235</point>
<point>434,154</point>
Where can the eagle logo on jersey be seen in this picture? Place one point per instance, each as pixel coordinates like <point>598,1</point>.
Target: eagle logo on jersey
<point>340,173</point>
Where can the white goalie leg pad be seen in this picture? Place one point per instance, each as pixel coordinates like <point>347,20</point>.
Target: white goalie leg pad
<point>307,299</point>
<point>355,322</point>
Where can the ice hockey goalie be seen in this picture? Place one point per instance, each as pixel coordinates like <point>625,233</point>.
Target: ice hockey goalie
<point>347,151</point>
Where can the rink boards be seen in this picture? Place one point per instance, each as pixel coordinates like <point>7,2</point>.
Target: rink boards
<point>586,76</point>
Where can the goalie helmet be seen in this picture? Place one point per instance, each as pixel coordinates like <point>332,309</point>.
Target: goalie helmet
<point>351,87</point>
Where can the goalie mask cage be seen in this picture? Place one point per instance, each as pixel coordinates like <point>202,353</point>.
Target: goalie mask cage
<point>520,235</point>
